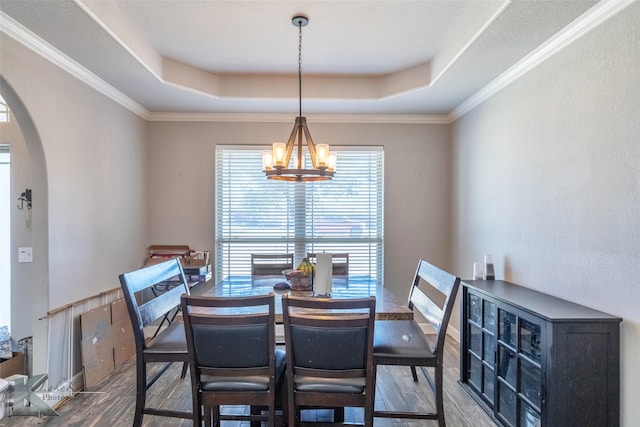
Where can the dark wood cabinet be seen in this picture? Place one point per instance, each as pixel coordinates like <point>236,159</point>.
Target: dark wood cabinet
<point>534,360</point>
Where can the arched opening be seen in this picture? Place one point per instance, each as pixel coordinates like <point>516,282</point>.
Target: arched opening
<point>29,285</point>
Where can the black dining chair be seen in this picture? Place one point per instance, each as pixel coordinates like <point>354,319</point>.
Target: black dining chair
<point>232,356</point>
<point>403,342</point>
<point>169,343</point>
<point>329,345</point>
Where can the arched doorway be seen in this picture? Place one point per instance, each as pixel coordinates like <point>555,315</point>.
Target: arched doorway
<point>29,281</point>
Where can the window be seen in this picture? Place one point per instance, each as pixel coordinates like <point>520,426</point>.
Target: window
<point>5,241</point>
<point>257,215</point>
<point>4,111</point>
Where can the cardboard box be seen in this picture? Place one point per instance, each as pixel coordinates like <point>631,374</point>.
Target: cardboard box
<point>170,251</point>
<point>107,341</point>
<point>124,347</point>
<point>96,345</point>
<point>12,366</point>
<point>188,257</point>
<point>196,270</point>
<point>194,263</point>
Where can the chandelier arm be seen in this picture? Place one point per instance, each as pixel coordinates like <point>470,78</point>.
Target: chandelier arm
<point>310,146</point>
<point>301,125</point>
<point>290,144</point>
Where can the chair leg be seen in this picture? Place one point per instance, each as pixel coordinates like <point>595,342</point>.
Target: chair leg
<point>271,421</point>
<point>197,409</point>
<point>338,415</point>
<point>294,415</point>
<point>291,409</point>
<point>368,416</point>
<point>255,410</point>
<point>216,415</point>
<point>141,391</point>
<point>439,395</point>
<point>185,367</point>
<point>414,373</point>
<point>207,416</point>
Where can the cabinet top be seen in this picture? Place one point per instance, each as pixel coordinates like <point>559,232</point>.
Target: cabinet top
<point>552,308</point>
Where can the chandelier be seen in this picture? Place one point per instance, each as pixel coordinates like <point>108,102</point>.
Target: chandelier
<point>277,162</point>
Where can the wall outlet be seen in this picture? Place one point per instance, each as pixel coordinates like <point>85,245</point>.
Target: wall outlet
<point>25,254</point>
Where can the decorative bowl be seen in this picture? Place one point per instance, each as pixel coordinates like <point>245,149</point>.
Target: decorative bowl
<point>299,281</point>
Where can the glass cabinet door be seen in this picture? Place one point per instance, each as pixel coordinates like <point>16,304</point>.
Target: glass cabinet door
<point>481,345</point>
<point>507,331</point>
<point>530,374</point>
<point>475,309</point>
<point>506,404</point>
<point>488,350</point>
<point>530,340</point>
<point>507,365</point>
<point>529,417</point>
<point>474,342</point>
<point>503,360</point>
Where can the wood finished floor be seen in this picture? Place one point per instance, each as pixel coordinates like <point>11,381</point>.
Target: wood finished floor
<point>395,390</point>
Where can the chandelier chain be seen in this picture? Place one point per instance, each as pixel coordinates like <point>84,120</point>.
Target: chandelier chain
<point>300,67</point>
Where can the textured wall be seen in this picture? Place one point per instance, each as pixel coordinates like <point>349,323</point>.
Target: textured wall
<point>548,181</point>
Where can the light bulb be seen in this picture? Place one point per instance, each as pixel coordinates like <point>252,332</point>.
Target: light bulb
<point>333,160</point>
<point>267,160</point>
<point>322,154</point>
<point>279,153</point>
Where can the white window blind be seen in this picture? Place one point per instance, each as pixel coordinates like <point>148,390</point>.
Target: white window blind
<point>257,215</point>
<point>4,111</point>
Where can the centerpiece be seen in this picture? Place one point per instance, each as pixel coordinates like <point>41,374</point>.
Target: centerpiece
<point>300,279</point>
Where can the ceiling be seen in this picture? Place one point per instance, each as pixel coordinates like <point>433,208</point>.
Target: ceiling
<point>358,57</point>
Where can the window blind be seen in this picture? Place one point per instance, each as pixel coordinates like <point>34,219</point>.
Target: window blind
<point>257,215</point>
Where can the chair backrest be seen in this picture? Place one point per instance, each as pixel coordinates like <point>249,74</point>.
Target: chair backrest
<point>270,264</point>
<point>433,295</point>
<point>329,338</point>
<point>143,305</point>
<point>231,336</point>
<point>340,266</point>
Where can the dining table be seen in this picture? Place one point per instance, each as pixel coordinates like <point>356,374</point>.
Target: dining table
<point>388,305</point>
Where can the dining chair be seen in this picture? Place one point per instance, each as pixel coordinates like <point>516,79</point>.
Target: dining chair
<point>270,264</point>
<point>403,342</point>
<point>169,343</point>
<point>329,346</point>
<point>232,356</point>
<point>340,262</point>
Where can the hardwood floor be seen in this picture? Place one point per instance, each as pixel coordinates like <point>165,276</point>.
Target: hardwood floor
<point>113,406</point>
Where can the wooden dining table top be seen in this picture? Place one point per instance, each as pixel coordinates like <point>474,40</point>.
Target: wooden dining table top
<point>388,306</point>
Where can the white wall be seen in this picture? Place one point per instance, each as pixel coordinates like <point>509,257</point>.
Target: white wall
<point>89,166</point>
<point>417,184</point>
<point>548,180</point>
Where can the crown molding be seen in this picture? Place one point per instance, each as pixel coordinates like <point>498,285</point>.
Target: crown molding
<point>589,20</point>
<point>286,118</point>
<point>470,42</point>
<point>22,35</point>
<point>578,28</point>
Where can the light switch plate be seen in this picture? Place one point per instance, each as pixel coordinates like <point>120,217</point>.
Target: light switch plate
<point>25,254</point>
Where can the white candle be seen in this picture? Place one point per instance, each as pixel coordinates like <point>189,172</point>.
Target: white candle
<point>324,274</point>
